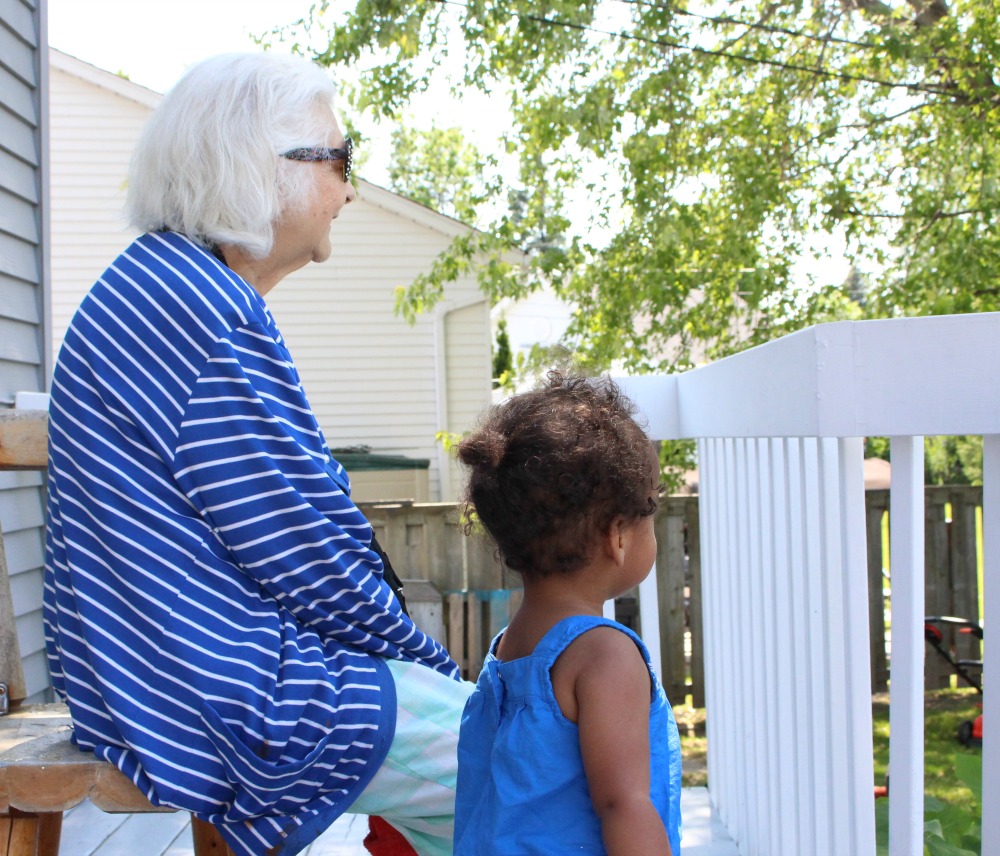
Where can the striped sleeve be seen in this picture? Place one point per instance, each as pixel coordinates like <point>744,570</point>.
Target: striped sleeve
<point>252,460</point>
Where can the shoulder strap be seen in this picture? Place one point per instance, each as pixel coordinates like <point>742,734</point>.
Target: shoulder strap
<point>564,632</point>
<point>389,574</point>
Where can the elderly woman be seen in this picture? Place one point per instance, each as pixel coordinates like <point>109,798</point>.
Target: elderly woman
<point>218,617</point>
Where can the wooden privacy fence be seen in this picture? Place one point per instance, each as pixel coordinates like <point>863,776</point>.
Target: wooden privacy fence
<point>425,542</point>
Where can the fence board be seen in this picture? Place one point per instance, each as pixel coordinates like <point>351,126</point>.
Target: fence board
<point>964,576</point>
<point>876,507</point>
<point>937,597</point>
<point>671,584</point>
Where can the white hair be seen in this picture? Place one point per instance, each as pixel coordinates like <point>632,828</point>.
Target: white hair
<point>207,164</point>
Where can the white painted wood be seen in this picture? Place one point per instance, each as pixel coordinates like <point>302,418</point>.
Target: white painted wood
<point>656,398</point>
<point>649,618</point>
<point>857,708</point>
<point>767,623</point>
<point>817,645</point>
<point>906,701</point>
<point>786,711</point>
<point>991,639</point>
<point>711,597</point>
<point>852,379</point>
<point>834,573</point>
<point>782,537</point>
<point>732,692</point>
<point>711,600</point>
<point>87,831</point>
<point>790,761</point>
<point>762,693</point>
<point>800,619</point>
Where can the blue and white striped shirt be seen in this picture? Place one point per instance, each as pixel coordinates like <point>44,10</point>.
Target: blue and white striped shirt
<point>214,615</point>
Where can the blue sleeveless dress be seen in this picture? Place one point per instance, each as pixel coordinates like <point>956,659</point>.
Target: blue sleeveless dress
<point>521,784</point>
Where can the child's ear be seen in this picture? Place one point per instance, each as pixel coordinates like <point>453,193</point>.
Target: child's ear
<point>614,541</point>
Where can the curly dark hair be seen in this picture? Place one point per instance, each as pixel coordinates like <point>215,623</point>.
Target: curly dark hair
<point>550,470</point>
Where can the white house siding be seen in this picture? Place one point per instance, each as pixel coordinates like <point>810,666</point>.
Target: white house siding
<point>373,379</point>
<point>95,119</point>
<point>465,329</point>
<point>22,305</point>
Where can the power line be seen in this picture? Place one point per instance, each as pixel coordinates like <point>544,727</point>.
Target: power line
<point>670,43</point>
<point>751,25</point>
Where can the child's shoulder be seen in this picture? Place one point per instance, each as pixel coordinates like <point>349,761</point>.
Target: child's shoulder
<point>606,646</point>
<point>602,659</point>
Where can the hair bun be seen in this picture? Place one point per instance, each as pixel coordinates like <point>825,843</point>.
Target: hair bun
<point>482,451</point>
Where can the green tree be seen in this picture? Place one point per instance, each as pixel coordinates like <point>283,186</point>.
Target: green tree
<point>503,359</point>
<point>947,459</point>
<point>715,144</point>
<point>438,168</point>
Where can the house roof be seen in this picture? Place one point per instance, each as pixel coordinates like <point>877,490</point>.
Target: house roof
<point>101,77</point>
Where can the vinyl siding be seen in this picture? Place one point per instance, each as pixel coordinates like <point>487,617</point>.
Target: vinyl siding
<point>22,308</point>
<point>93,131</point>
<point>469,380</point>
<point>372,378</point>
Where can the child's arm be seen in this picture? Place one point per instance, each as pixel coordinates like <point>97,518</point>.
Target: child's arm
<point>613,697</point>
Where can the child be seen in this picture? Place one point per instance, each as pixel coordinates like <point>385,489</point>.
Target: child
<point>568,744</point>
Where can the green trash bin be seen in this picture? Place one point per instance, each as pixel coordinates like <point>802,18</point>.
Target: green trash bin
<point>378,477</point>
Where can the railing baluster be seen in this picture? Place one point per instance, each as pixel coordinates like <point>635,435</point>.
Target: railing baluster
<point>816,643</point>
<point>711,603</point>
<point>857,706</point>
<point>787,710</point>
<point>766,620</point>
<point>906,699</point>
<point>837,689</point>
<point>799,620</point>
<point>729,647</point>
<point>991,640</point>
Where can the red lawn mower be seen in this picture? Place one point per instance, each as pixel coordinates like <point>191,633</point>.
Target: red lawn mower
<point>970,732</point>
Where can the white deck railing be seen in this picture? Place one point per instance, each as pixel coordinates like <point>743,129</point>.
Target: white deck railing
<point>780,433</point>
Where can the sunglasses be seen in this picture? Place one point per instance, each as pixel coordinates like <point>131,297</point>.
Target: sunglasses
<point>346,154</point>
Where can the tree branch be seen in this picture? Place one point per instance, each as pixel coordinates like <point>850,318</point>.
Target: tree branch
<point>929,12</point>
<point>874,7</point>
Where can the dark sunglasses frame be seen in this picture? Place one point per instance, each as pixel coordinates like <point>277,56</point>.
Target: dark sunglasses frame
<point>319,153</point>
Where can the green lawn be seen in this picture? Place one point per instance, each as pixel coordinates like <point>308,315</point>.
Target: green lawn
<point>944,711</point>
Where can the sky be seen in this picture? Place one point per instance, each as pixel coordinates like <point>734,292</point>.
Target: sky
<point>153,43</point>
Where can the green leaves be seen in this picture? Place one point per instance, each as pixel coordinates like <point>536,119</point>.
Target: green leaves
<point>439,169</point>
<point>698,184</point>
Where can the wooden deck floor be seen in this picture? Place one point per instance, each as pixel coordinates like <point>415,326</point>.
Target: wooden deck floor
<point>87,831</point>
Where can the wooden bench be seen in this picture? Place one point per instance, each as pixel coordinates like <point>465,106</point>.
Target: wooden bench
<point>43,774</point>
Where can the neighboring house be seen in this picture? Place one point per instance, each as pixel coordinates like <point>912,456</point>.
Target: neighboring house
<point>373,379</point>
<point>23,271</point>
